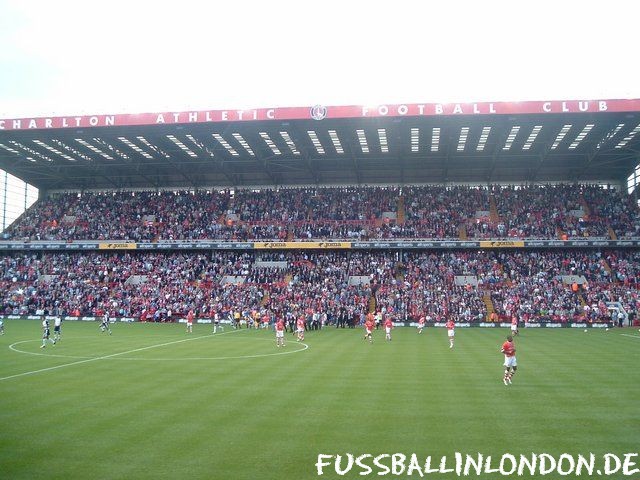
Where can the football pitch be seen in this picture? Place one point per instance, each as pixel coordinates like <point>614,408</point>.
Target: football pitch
<point>152,402</point>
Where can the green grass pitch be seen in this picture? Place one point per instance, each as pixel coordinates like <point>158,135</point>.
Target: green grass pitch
<point>152,402</point>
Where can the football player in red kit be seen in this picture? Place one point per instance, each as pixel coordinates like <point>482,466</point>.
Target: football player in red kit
<point>510,363</point>
<point>300,328</point>
<point>514,326</point>
<point>368,328</point>
<point>451,332</point>
<point>388,325</point>
<point>190,316</point>
<point>280,333</point>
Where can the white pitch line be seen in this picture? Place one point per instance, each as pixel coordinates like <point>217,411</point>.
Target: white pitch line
<point>13,347</point>
<point>630,336</point>
<point>109,356</point>
<point>237,357</point>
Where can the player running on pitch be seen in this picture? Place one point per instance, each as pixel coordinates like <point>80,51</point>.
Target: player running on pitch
<point>300,328</point>
<point>280,333</point>
<point>57,329</point>
<point>388,325</point>
<point>420,324</point>
<point>514,326</point>
<point>216,322</point>
<point>105,325</point>
<point>451,332</point>
<point>369,325</point>
<point>46,332</point>
<point>510,363</point>
<point>190,321</point>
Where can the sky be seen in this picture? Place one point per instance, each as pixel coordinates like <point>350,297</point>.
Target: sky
<point>89,57</point>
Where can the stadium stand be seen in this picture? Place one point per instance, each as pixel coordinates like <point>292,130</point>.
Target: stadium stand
<point>519,209</point>
<point>406,285</point>
<point>580,211</point>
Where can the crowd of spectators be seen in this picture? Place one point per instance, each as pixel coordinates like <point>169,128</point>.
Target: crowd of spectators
<point>439,212</point>
<point>546,211</point>
<point>424,284</point>
<point>138,216</point>
<point>533,286</point>
<point>625,266</point>
<point>409,285</point>
<point>542,211</point>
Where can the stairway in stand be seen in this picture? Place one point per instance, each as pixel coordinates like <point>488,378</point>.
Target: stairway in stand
<point>582,300</point>
<point>585,206</point>
<point>612,274</point>
<point>507,279</point>
<point>400,214</point>
<point>486,298</point>
<point>462,231</point>
<point>493,209</point>
<point>561,234</point>
<point>373,304</point>
<point>399,272</point>
<point>265,299</point>
<point>158,234</point>
<point>287,278</point>
<point>612,234</point>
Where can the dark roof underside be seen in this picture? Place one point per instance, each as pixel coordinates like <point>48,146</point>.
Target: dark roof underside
<point>563,147</point>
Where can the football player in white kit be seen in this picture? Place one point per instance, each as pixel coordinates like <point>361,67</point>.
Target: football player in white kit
<point>104,326</point>
<point>57,329</point>
<point>46,333</point>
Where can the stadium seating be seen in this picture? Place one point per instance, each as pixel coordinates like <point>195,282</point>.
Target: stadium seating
<point>431,212</point>
<point>528,284</point>
<point>343,285</point>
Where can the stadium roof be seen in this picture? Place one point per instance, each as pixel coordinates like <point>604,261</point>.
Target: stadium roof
<point>487,142</point>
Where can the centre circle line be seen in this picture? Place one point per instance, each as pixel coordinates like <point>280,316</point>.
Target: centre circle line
<point>120,354</point>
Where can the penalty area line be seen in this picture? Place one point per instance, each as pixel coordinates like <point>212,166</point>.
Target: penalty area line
<point>630,336</point>
<point>104,357</point>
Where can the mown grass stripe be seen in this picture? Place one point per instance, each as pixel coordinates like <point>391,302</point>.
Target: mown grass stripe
<point>228,419</point>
